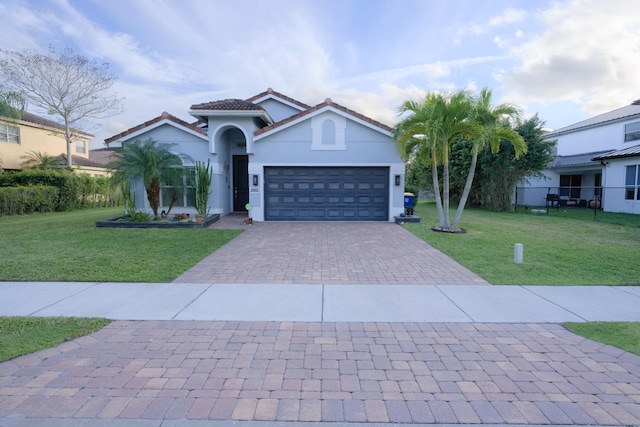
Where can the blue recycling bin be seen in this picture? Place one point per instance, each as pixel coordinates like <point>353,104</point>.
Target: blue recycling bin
<point>408,203</point>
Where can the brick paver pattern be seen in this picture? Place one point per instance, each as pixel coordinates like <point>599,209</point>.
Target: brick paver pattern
<point>373,372</point>
<point>328,253</point>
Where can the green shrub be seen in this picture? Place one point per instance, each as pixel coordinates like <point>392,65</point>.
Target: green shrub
<point>21,200</point>
<point>140,217</point>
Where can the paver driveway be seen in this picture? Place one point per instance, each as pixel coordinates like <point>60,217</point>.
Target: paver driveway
<point>327,253</point>
<point>300,371</point>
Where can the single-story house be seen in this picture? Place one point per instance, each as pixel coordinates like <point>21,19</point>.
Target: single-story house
<point>597,164</point>
<point>288,160</point>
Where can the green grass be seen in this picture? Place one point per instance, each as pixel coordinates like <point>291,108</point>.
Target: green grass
<point>563,248</point>
<point>624,335</point>
<point>67,246</point>
<point>23,335</point>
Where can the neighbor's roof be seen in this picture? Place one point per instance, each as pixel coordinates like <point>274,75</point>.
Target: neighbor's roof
<point>102,155</point>
<point>327,103</point>
<point>161,117</point>
<point>575,160</point>
<point>626,112</point>
<point>82,161</point>
<point>617,154</point>
<point>30,118</point>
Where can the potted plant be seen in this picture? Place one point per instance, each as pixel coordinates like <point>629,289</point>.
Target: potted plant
<point>204,177</point>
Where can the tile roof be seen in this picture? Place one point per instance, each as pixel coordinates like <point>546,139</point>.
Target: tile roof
<point>82,161</point>
<point>626,112</point>
<point>617,154</point>
<point>102,155</point>
<point>41,121</point>
<point>327,103</point>
<point>270,91</point>
<point>228,105</point>
<point>163,116</point>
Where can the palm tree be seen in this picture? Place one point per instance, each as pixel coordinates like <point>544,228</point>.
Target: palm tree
<point>492,125</point>
<point>41,161</point>
<point>151,162</point>
<point>12,105</point>
<point>429,130</point>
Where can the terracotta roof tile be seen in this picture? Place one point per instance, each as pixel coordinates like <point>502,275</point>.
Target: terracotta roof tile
<point>102,155</point>
<point>41,121</point>
<point>82,161</point>
<point>279,95</point>
<point>163,116</point>
<point>227,105</point>
<point>327,103</point>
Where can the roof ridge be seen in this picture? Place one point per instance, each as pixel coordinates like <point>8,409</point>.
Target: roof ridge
<point>270,91</point>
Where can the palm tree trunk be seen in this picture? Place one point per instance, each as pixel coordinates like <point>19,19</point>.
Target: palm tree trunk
<point>467,187</point>
<point>445,184</point>
<point>153,195</point>
<point>436,187</point>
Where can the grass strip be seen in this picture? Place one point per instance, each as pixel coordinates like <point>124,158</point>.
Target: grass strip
<point>623,335</point>
<point>24,335</point>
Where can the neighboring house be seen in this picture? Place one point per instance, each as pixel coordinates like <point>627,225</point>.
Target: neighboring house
<point>290,161</point>
<point>597,164</point>
<point>19,138</point>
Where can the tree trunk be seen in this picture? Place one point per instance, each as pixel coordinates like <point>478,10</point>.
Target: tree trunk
<point>436,188</point>
<point>67,137</point>
<point>467,188</point>
<point>445,184</point>
<point>153,195</point>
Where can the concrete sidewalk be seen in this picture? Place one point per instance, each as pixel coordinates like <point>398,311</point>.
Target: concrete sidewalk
<point>322,303</point>
<point>191,355</point>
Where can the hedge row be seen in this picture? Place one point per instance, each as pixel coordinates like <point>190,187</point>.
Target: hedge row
<point>21,200</point>
<point>73,191</point>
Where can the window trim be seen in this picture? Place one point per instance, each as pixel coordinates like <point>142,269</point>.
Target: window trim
<point>5,136</point>
<point>635,133</point>
<point>632,189</point>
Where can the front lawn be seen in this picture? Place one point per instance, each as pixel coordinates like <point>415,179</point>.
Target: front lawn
<point>67,246</point>
<point>567,247</point>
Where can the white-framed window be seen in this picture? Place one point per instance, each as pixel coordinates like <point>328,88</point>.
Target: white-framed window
<point>632,131</point>
<point>10,134</point>
<point>81,147</point>
<point>632,182</point>
<point>185,193</point>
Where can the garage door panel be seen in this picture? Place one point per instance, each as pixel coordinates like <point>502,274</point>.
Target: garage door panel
<point>326,193</point>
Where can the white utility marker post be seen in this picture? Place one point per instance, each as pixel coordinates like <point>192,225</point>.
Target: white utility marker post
<point>518,250</point>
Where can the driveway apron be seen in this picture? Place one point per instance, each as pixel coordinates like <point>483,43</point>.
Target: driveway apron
<point>328,253</point>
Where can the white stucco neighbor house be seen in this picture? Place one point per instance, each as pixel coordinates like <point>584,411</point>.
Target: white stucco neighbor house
<point>289,160</point>
<point>597,164</point>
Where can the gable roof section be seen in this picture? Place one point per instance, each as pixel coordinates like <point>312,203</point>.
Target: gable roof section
<point>272,94</point>
<point>618,154</point>
<point>30,119</point>
<point>327,105</point>
<point>624,113</point>
<point>164,118</point>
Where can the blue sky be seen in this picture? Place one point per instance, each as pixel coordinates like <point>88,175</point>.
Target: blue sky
<point>565,60</point>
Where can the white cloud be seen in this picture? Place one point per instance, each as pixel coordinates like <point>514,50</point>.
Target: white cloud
<point>507,17</point>
<point>589,54</point>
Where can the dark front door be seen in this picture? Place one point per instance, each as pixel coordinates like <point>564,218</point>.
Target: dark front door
<point>240,183</point>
